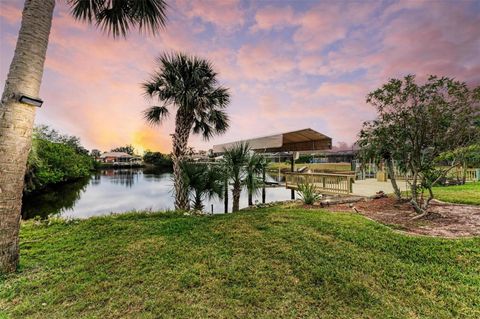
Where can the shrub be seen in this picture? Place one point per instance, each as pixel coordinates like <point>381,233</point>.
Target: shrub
<point>308,193</point>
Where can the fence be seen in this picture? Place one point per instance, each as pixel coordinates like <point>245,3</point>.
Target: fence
<point>324,182</point>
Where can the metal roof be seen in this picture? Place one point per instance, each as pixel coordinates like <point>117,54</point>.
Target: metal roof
<point>296,141</point>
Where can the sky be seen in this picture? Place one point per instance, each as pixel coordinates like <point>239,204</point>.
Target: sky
<point>289,64</point>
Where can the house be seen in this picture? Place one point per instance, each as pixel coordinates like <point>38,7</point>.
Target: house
<point>119,158</point>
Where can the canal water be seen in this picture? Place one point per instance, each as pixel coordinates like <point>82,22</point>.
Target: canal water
<point>122,190</point>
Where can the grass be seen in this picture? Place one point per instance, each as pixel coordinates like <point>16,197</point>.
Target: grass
<point>266,263</point>
<point>461,194</point>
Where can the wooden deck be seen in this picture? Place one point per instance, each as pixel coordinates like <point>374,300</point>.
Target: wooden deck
<point>342,184</point>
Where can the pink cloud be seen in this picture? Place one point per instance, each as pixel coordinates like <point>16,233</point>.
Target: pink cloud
<point>272,17</point>
<point>260,62</point>
<point>226,14</point>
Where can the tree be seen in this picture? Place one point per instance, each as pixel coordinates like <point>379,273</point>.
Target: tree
<point>253,170</point>
<point>203,181</point>
<point>190,85</point>
<point>234,160</point>
<point>157,159</point>
<point>24,78</point>
<point>95,153</point>
<point>377,144</point>
<point>129,149</point>
<point>418,123</point>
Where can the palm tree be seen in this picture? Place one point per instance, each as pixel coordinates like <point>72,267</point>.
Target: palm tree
<point>24,78</point>
<point>204,182</point>
<point>234,160</point>
<point>253,169</point>
<point>190,85</point>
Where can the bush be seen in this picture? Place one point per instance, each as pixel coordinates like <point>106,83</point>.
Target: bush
<point>51,163</point>
<point>308,193</point>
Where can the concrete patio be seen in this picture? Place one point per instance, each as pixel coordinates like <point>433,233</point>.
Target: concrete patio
<point>369,187</point>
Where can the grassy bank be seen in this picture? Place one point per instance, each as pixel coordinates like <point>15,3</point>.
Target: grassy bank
<point>461,194</point>
<point>270,263</point>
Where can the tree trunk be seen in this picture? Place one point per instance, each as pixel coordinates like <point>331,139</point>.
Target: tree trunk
<point>198,203</point>
<point>225,200</point>
<point>250,198</point>
<point>16,121</point>
<point>236,197</point>
<point>183,126</point>
<point>393,180</point>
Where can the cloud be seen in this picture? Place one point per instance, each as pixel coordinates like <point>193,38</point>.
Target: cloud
<point>225,14</point>
<point>272,17</point>
<point>260,62</point>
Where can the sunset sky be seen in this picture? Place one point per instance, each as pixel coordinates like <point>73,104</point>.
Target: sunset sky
<point>289,64</point>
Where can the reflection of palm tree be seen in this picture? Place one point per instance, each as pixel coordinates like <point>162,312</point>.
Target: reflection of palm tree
<point>190,84</point>
<point>54,200</point>
<point>24,78</point>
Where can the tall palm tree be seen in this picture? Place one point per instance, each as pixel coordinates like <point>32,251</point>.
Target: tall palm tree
<point>234,160</point>
<point>24,78</point>
<point>190,85</point>
<point>253,170</point>
<point>204,182</point>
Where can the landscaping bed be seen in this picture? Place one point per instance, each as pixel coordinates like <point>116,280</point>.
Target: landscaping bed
<point>445,219</point>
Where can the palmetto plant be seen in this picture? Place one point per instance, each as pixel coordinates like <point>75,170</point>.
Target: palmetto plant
<point>235,159</point>
<point>203,182</point>
<point>190,86</point>
<point>308,193</point>
<point>24,78</point>
<point>253,171</point>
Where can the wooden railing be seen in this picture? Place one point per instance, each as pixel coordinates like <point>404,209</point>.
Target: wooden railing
<point>471,174</point>
<point>324,182</point>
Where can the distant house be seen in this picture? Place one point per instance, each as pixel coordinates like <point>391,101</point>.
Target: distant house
<point>119,158</point>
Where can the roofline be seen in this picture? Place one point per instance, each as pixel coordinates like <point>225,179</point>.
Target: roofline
<point>264,136</point>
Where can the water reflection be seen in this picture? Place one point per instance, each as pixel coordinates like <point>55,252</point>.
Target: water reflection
<point>121,190</point>
<point>54,199</point>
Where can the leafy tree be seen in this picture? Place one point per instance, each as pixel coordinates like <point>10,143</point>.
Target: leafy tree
<point>157,159</point>
<point>24,78</point>
<point>203,181</point>
<point>377,144</point>
<point>95,153</point>
<point>190,85</point>
<point>235,159</point>
<point>129,149</point>
<point>52,163</point>
<point>417,123</point>
<point>52,135</point>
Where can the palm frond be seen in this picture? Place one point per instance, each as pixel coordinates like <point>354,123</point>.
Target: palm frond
<point>116,17</point>
<point>191,84</point>
<point>156,114</point>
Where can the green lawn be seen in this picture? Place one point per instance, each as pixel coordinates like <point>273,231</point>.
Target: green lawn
<point>267,263</point>
<point>461,194</point>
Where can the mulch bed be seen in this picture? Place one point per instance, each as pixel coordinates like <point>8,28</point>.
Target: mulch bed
<point>445,219</point>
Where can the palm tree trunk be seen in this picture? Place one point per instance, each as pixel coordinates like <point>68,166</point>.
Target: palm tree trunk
<point>16,121</point>
<point>236,197</point>
<point>225,200</point>
<point>180,141</point>
<point>250,198</point>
